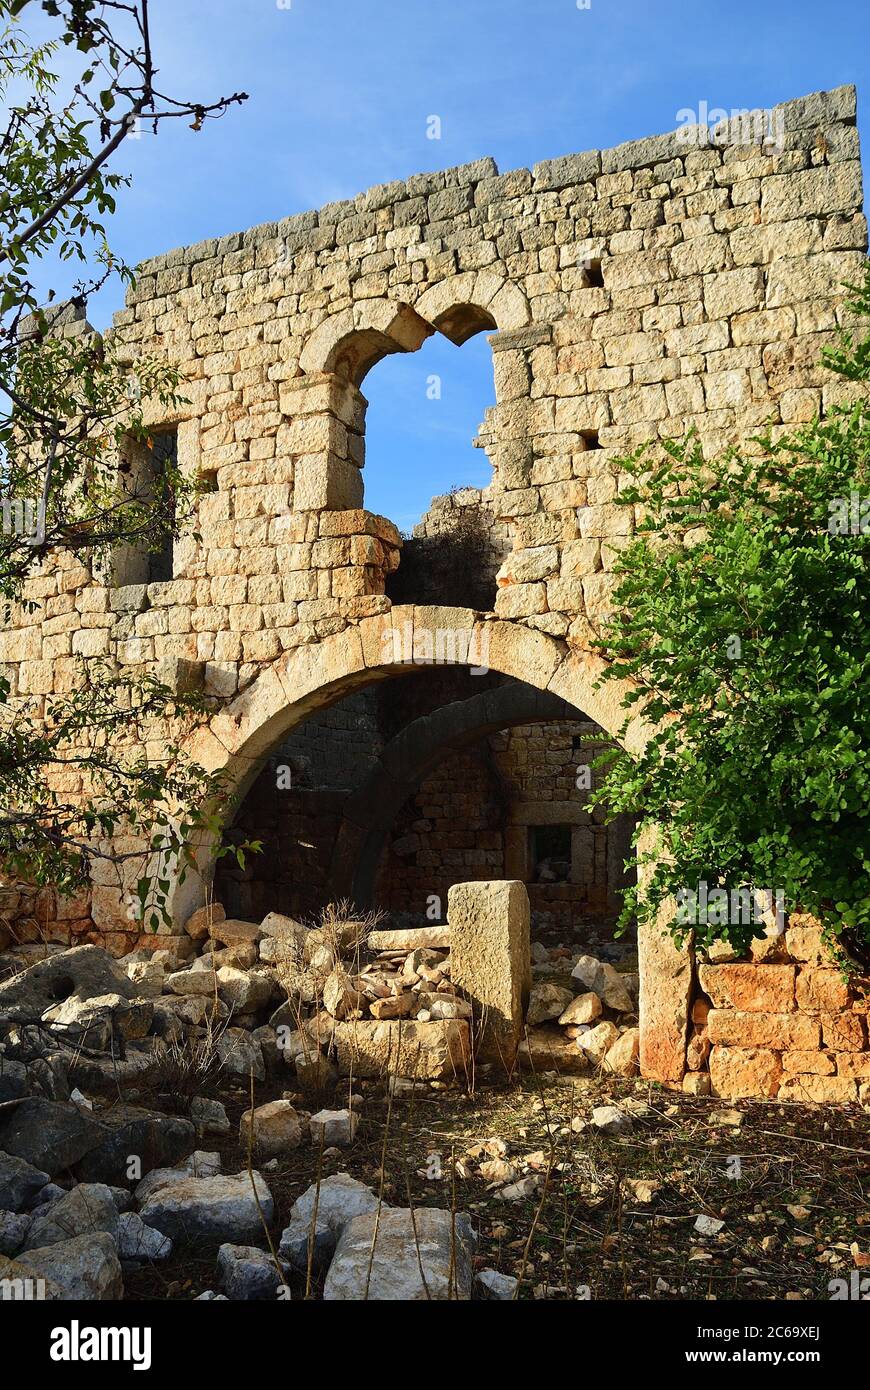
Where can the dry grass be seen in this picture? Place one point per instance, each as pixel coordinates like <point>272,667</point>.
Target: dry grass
<point>589,1223</point>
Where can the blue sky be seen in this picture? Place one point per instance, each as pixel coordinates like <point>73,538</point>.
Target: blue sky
<point>340,92</point>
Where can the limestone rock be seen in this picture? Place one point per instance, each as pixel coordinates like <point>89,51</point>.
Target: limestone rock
<point>598,1041</point>
<point>273,1129</point>
<point>548,1049</point>
<point>86,1267</point>
<point>603,980</point>
<point>209,1116</point>
<point>547,1002</point>
<point>20,1181</point>
<point>13,1231</point>
<point>231,1207</point>
<point>407,1257</point>
<point>78,975</point>
<point>495,1287</point>
<point>198,924</point>
<point>621,1056</point>
<point>137,1242</point>
<point>334,1127</point>
<point>86,1207</point>
<point>337,1200</point>
<point>249,1274</point>
<point>51,1135</point>
<point>611,1120</point>
<point>339,996</point>
<point>436,1051</point>
<point>584,1008</point>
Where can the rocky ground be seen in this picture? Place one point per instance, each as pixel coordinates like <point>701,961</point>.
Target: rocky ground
<point>161,1139</point>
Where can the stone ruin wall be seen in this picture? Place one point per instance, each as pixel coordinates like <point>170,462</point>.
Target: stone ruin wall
<point>631,294</point>
<point>470,819</point>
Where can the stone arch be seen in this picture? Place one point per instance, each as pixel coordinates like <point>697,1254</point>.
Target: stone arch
<point>406,762</point>
<point>462,305</point>
<point>239,738</point>
<point>348,344</point>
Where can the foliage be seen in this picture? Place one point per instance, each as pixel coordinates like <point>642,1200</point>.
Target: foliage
<point>742,623</point>
<point>69,406</point>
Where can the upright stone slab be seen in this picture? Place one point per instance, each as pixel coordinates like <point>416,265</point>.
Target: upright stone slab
<point>490,961</point>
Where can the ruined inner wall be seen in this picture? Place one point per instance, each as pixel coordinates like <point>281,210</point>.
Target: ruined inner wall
<point>631,294</point>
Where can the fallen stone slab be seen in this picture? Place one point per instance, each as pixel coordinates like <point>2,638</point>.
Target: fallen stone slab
<point>403,1255</point>
<point>439,1050</point>
<point>86,1267</point>
<point>233,1207</point>
<point>410,939</point>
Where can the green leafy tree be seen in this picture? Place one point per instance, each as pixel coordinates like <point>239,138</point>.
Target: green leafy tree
<point>68,404</point>
<point>742,622</point>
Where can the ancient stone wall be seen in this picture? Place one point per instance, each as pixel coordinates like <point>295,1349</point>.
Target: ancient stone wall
<point>631,294</point>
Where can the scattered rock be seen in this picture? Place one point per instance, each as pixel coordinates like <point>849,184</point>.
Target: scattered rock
<point>272,1129</point>
<point>490,1285</point>
<point>611,1120</point>
<point>338,1199</point>
<point>598,1041</point>
<point>86,1207</point>
<point>621,1057</point>
<point>209,1116</point>
<point>136,1241</point>
<point>85,1268</point>
<point>334,1127</point>
<point>19,1182</point>
<point>585,1008</point>
<point>418,1256</point>
<point>546,1002</point>
<point>228,1207</point>
<point>13,1231</point>
<point>248,1274</point>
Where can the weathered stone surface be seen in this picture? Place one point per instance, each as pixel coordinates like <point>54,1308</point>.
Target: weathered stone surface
<point>603,980</point>
<point>271,1129</point>
<point>137,1242</point>
<point>334,1127</point>
<point>736,1072</point>
<point>86,1207</point>
<point>70,976</point>
<point>413,939</point>
<point>20,1181</point>
<point>249,1274</point>
<point>490,962</point>
<point>13,1231</point>
<point>324,1211</point>
<point>51,1135</point>
<point>86,1267</point>
<point>665,993</point>
<point>598,1041</point>
<point>198,924</point>
<point>584,1008</point>
<point>621,1056</point>
<point>547,1002</point>
<point>404,1256</point>
<point>549,1049</point>
<point>750,988</point>
<point>233,1207</point>
<point>790,1032</point>
<point>435,1051</point>
<point>495,1287</point>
